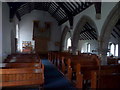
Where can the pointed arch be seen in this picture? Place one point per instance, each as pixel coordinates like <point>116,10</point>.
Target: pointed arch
<point>107,28</point>
<point>63,36</point>
<point>83,20</point>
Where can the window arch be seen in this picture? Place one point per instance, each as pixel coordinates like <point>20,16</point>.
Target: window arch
<point>17,30</point>
<point>68,43</point>
<point>88,47</point>
<point>113,49</point>
<point>116,50</point>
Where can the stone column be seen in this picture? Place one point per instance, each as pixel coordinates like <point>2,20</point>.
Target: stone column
<point>102,52</point>
<point>103,56</point>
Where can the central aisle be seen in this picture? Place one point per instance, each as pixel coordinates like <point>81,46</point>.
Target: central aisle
<point>54,79</point>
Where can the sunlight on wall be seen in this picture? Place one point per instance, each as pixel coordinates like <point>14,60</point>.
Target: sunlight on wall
<point>112,49</point>
<point>116,50</point>
<point>17,30</point>
<point>88,47</point>
<point>68,43</point>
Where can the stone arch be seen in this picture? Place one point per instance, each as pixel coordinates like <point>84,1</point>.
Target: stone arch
<point>107,28</point>
<point>63,37</point>
<point>78,29</point>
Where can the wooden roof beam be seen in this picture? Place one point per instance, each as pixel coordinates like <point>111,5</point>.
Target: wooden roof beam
<point>116,33</point>
<point>98,9</point>
<point>70,17</point>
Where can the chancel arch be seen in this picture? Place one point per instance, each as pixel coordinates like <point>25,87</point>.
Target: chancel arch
<point>85,32</point>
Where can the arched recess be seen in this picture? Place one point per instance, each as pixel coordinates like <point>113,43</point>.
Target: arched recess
<point>84,19</point>
<point>64,38</point>
<point>107,28</point>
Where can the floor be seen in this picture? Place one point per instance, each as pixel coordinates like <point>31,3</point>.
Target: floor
<point>54,79</point>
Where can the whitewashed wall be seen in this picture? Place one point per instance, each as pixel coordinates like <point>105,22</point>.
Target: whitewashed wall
<point>82,45</point>
<point>26,28</point>
<point>0,31</point>
<point>8,32</point>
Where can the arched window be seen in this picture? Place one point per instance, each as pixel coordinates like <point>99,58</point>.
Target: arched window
<point>88,47</point>
<point>116,50</point>
<point>68,43</point>
<point>17,30</point>
<point>112,49</point>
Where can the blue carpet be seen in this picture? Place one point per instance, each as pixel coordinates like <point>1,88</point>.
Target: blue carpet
<point>54,79</point>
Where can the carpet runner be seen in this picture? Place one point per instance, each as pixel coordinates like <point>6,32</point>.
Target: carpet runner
<point>54,79</point>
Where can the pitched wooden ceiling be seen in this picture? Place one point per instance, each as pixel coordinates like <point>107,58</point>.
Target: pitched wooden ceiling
<point>116,30</point>
<point>61,11</point>
<point>88,33</point>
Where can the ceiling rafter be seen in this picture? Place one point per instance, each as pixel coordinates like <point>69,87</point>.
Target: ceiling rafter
<point>86,37</point>
<point>56,10</point>
<point>61,11</point>
<point>117,28</point>
<point>113,35</point>
<point>116,33</point>
<point>69,15</point>
<point>89,30</point>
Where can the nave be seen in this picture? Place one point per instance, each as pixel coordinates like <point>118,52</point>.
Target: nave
<point>71,45</point>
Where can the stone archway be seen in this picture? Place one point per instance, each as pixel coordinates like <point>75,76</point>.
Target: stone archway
<point>78,29</point>
<point>63,36</point>
<point>107,28</point>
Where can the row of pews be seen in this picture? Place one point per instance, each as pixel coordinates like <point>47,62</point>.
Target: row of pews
<point>85,70</point>
<point>113,60</point>
<point>22,70</point>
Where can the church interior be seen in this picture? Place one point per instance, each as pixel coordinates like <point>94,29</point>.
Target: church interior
<point>59,45</point>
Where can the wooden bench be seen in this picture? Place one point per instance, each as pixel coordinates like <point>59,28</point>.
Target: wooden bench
<point>22,58</point>
<point>77,68</point>
<point>21,76</point>
<point>82,65</point>
<point>111,60</point>
<point>19,65</point>
<point>107,77</point>
<point>19,73</point>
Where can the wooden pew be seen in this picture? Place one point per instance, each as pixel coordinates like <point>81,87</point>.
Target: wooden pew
<point>22,57</point>
<point>107,77</point>
<point>87,63</point>
<point>83,65</point>
<point>19,73</point>
<point>21,76</point>
<point>61,58</point>
<point>78,66</point>
<point>111,60</point>
<point>19,65</point>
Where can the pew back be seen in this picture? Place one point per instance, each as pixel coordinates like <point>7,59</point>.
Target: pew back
<point>21,76</point>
